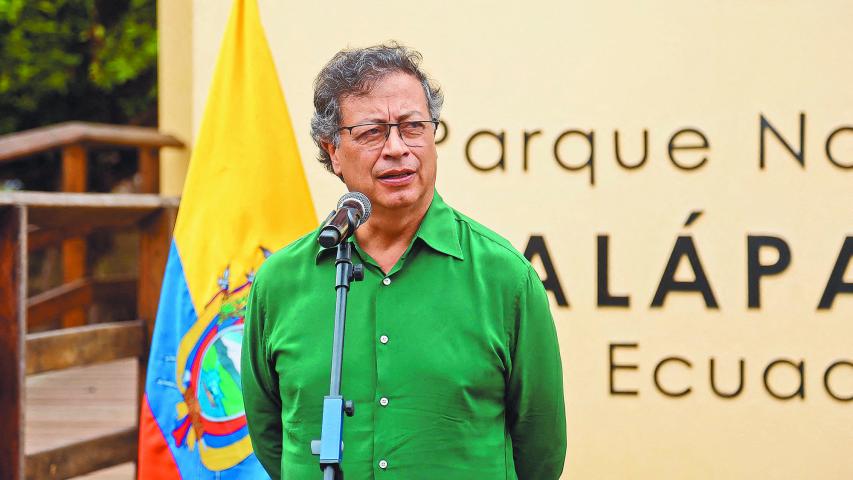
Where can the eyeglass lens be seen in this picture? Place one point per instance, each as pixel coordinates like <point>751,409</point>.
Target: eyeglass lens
<point>413,134</point>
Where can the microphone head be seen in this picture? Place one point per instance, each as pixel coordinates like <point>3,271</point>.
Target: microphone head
<point>358,201</point>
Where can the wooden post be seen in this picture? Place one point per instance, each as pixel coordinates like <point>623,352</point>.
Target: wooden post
<point>149,170</point>
<point>155,235</point>
<point>74,168</point>
<point>13,269</point>
<point>155,241</point>
<point>74,174</point>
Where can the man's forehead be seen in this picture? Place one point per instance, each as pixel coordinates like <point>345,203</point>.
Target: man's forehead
<point>397,94</point>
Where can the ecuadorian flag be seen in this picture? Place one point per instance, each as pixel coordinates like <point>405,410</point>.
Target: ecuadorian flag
<point>245,196</point>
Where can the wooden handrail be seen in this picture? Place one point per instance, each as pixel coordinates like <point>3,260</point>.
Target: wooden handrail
<point>45,200</point>
<point>29,142</point>
<point>80,293</point>
<point>86,345</point>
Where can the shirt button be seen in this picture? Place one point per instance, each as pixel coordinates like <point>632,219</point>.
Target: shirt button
<point>383,401</point>
<point>383,464</point>
<point>383,339</point>
<point>386,281</point>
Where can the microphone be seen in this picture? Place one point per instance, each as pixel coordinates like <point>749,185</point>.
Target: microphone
<point>352,211</point>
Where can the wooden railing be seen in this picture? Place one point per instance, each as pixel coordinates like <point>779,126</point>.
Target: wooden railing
<point>32,221</point>
<point>74,139</point>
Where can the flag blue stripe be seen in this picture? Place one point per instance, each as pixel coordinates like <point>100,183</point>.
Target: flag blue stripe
<point>175,316</point>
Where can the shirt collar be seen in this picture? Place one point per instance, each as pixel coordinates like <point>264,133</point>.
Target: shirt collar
<point>438,230</point>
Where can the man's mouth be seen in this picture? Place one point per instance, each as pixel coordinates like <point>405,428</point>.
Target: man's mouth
<point>396,175</point>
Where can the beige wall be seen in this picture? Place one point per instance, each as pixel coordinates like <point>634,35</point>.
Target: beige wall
<point>175,101</point>
<point>662,66</point>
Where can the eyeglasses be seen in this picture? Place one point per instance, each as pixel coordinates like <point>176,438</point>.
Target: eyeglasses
<point>414,133</point>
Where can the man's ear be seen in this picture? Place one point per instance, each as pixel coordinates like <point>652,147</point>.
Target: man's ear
<point>333,155</point>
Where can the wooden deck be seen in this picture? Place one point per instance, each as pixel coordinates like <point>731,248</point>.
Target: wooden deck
<point>59,423</point>
<point>82,403</point>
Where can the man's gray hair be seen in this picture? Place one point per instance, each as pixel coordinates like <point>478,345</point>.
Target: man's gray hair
<point>354,72</point>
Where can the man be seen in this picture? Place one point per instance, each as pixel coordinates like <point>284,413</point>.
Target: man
<point>451,355</point>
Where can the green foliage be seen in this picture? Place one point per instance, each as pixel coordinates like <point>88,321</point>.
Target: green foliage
<point>90,60</point>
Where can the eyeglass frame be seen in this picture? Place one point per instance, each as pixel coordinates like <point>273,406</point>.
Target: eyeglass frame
<point>434,122</point>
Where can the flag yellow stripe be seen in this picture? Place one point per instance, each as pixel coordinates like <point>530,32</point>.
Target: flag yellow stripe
<point>245,186</point>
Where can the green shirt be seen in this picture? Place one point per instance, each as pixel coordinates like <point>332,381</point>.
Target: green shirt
<point>451,359</point>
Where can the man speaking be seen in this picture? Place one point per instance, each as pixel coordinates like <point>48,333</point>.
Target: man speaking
<point>451,354</point>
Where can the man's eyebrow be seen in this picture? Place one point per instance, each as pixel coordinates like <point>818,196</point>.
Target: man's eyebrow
<point>378,119</point>
<point>410,114</point>
<point>373,119</point>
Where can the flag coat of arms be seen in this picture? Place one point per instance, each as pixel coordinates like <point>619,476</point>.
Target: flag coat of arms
<point>245,196</point>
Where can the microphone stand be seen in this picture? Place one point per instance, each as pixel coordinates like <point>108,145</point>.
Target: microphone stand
<point>330,446</point>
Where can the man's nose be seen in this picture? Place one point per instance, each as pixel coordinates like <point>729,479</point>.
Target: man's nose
<point>394,145</point>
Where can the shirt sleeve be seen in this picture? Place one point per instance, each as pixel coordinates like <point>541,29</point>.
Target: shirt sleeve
<point>259,381</point>
<point>536,416</point>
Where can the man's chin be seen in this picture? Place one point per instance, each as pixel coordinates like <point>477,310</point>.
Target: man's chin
<point>400,200</point>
